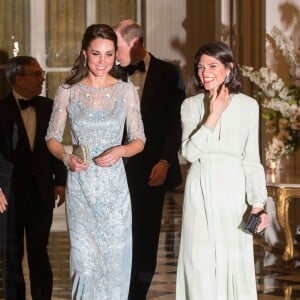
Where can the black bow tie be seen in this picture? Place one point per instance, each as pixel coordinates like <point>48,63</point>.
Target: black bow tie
<point>132,68</point>
<point>26,103</point>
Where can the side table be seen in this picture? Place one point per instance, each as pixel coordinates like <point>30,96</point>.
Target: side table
<point>284,187</point>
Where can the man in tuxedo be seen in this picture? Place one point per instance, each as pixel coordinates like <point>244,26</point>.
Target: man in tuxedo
<point>5,176</point>
<point>7,144</point>
<point>156,169</point>
<point>37,179</point>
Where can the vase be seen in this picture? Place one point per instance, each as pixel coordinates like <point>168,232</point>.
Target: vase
<point>275,165</point>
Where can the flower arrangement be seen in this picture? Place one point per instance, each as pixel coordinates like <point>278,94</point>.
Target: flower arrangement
<point>279,97</point>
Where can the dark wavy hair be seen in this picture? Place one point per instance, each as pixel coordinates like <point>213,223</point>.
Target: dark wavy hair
<point>222,53</point>
<point>80,68</point>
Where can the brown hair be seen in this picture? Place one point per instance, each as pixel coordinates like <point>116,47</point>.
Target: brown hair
<point>222,53</point>
<point>80,69</point>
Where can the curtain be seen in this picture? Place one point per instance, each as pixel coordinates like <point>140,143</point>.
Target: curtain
<point>65,24</point>
<point>15,27</point>
<point>111,12</point>
<point>250,46</point>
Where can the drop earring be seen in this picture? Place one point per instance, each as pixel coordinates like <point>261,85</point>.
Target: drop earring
<point>227,78</point>
<point>84,62</point>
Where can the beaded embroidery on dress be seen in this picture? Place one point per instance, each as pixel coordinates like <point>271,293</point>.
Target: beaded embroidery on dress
<point>98,202</point>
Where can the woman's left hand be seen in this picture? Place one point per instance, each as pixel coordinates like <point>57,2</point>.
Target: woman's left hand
<point>109,157</point>
<point>264,219</point>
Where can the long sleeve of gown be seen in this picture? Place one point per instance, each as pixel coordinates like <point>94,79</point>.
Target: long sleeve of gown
<point>254,171</point>
<point>59,114</point>
<point>195,137</point>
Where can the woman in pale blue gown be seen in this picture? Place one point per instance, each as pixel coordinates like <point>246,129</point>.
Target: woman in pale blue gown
<point>220,140</point>
<point>97,105</point>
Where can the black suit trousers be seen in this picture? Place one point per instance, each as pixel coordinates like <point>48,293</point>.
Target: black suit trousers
<point>31,217</point>
<point>147,206</point>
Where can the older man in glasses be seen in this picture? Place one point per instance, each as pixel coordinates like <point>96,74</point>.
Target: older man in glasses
<point>38,179</point>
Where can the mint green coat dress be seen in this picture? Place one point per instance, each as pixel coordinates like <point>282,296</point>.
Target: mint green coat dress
<point>216,259</point>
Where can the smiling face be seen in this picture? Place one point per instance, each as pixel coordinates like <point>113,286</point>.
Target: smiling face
<point>211,72</point>
<point>100,56</point>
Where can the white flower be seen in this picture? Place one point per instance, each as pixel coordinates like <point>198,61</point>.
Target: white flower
<point>280,98</point>
<point>278,85</point>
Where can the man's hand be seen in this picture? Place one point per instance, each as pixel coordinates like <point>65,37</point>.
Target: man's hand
<point>59,195</point>
<point>158,174</point>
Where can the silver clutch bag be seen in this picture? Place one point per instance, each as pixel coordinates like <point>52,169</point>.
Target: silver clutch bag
<point>82,151</point>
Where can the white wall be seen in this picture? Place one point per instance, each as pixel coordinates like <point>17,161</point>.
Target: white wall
<point>166,33</point>
<point>284,14</point>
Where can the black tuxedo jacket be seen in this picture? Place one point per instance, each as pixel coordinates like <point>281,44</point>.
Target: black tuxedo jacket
<point>39,165</point>
<point>6,168</point>
<point>5,176</point>
<point>160,108</point>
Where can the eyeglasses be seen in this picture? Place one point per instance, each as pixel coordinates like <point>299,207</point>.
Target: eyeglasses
<point>36,74</point>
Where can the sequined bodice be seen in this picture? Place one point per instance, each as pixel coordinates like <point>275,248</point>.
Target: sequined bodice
<point>96,115</point>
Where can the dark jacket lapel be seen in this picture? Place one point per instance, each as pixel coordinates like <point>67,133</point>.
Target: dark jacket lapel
<point>15,118</point>
<point>150,79</point>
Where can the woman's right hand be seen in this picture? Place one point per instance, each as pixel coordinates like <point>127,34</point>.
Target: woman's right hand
<point>218,103</point>
<point>3,202</point>
<point>74,163</point>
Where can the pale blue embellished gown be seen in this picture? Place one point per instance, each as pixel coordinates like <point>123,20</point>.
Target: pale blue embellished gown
<point>98,202</point>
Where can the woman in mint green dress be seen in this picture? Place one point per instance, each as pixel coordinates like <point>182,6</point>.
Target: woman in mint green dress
<point>220,140</point>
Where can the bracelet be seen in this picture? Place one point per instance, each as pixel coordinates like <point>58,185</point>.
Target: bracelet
<point>65,159</point>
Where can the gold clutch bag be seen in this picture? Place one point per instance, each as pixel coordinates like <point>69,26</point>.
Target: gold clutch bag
<point>82,151</point>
